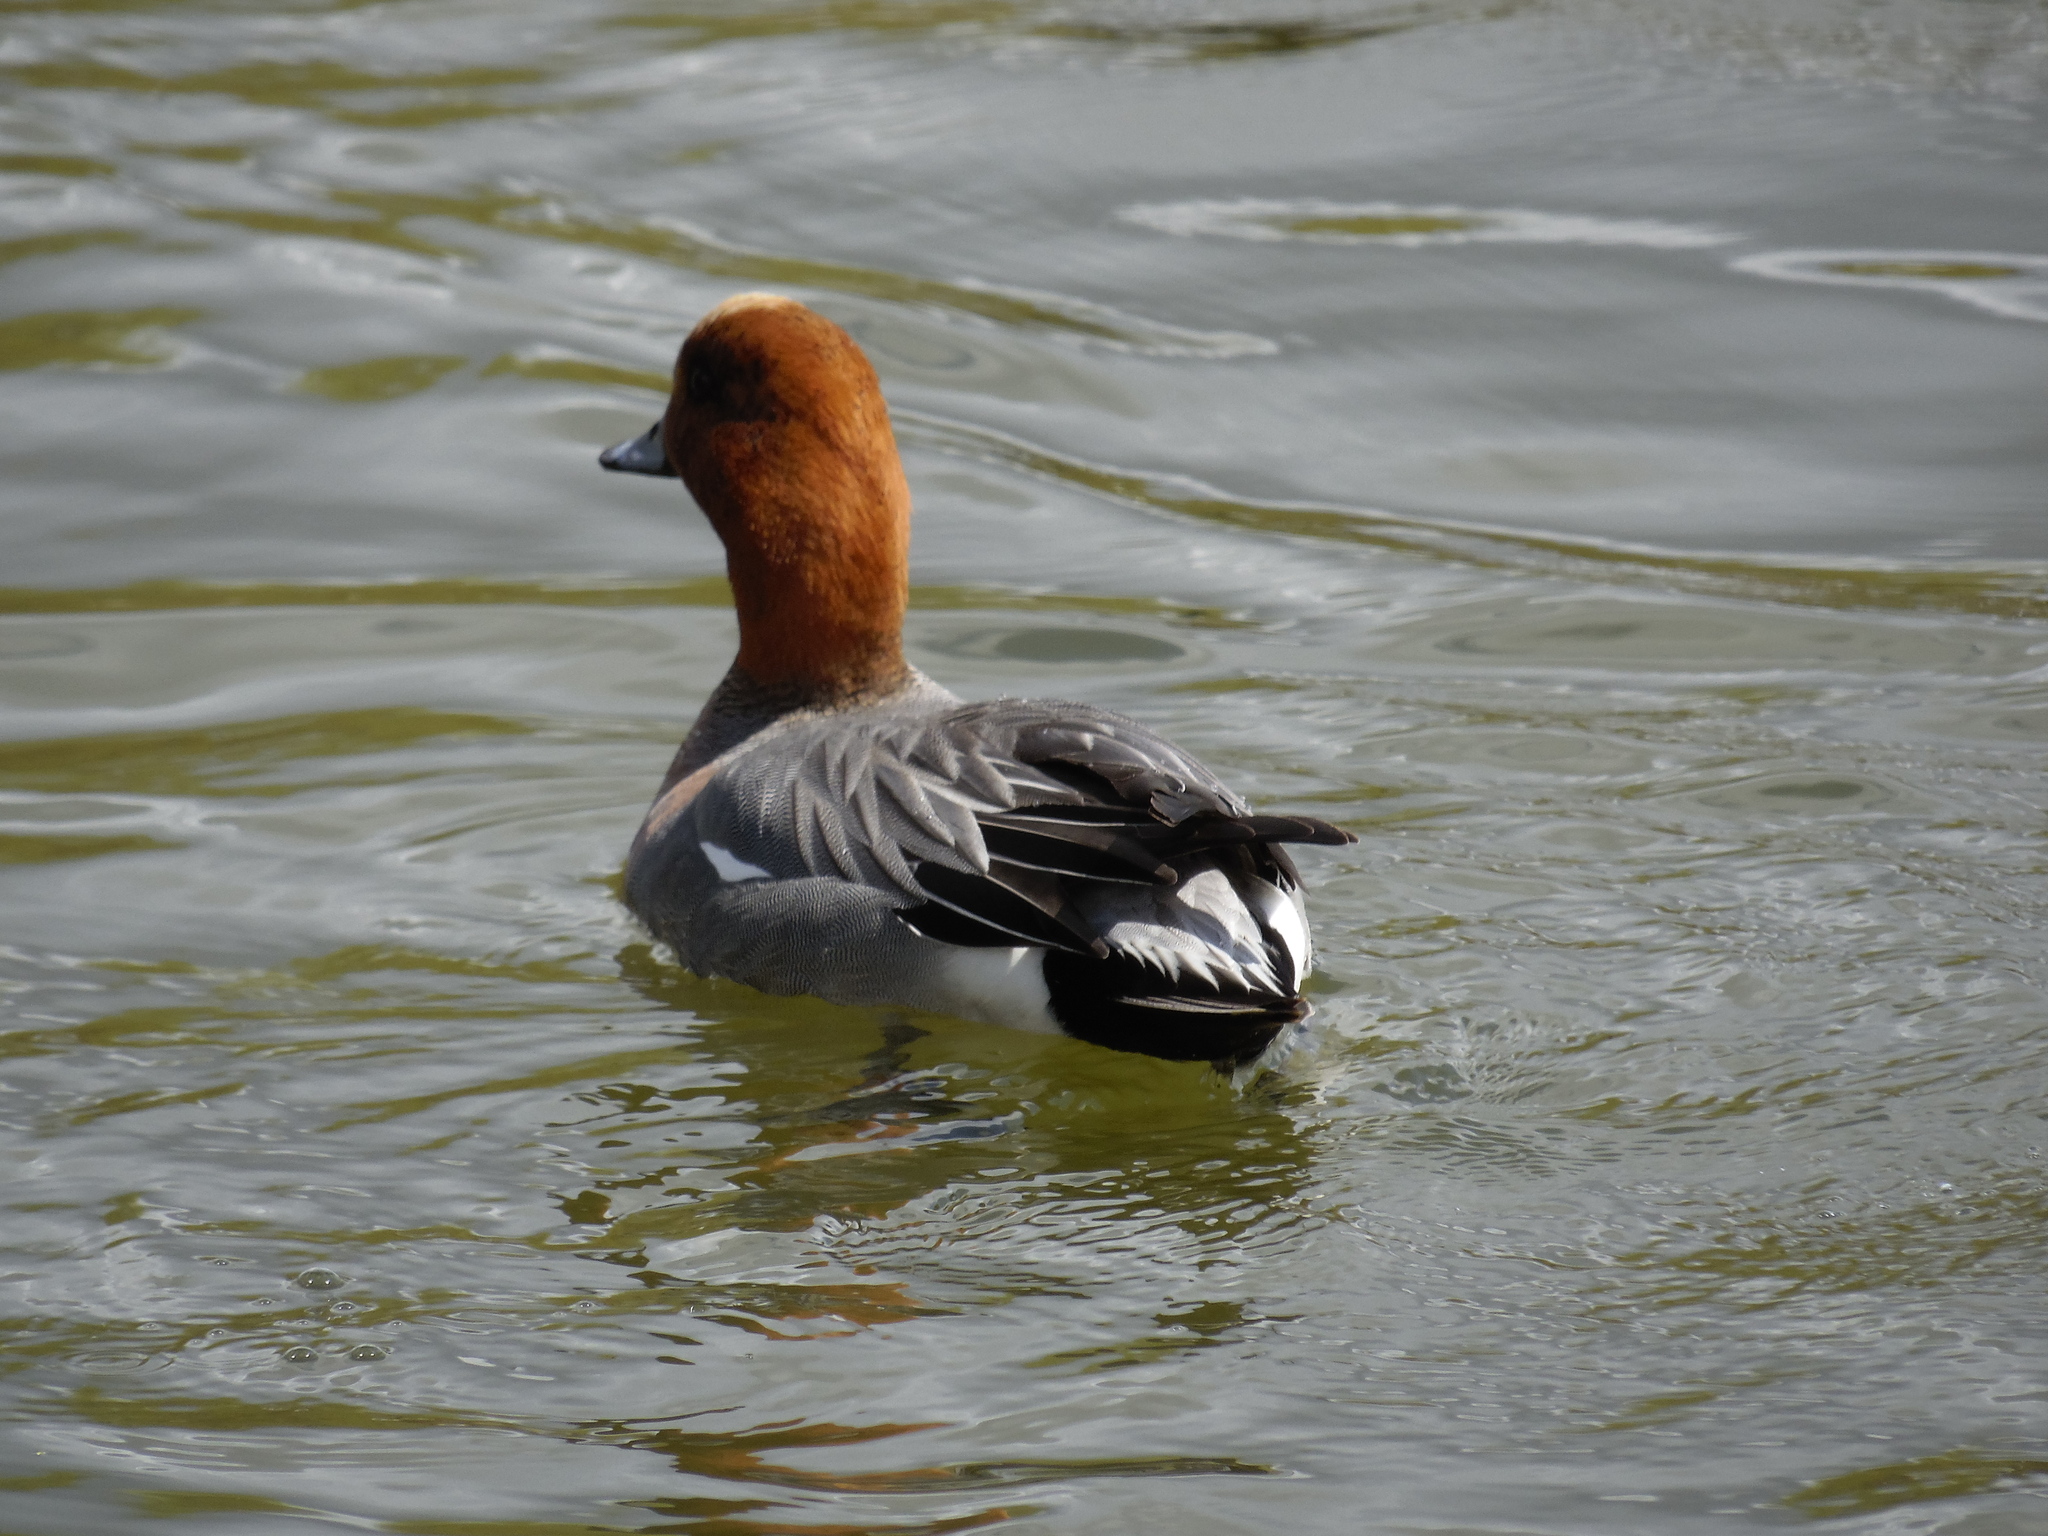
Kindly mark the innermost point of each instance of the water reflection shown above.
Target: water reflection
(131, 337)
(1955, 1474)
(741, 1457)
(1322, 221)
(2009, 590)
(303, 85)
(2014, 287)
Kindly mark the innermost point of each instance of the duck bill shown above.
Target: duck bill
(642, 455)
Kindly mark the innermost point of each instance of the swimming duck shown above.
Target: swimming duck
(836, 823)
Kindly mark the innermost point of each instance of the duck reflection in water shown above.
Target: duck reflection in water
(1006, 1169)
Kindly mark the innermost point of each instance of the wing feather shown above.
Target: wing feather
(1080, 849)
(1166, 910)
(1017, 822)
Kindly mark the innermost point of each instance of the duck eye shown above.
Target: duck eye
(698, 385)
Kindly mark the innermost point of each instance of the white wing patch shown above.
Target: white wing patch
(731, 869)
(1201, 928)
(1282, 912)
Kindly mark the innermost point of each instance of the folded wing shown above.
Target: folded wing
(1169, 913)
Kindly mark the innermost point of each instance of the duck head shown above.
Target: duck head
(776, 424)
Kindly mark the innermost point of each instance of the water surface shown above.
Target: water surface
(1593, 450)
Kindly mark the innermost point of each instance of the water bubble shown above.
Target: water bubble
(118, 1360)
(319, 1280)
(366, 1352)
(299, 1354)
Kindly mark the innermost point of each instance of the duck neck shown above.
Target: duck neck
(815, 518)
(821, 608)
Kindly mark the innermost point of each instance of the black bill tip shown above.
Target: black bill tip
(642, 455)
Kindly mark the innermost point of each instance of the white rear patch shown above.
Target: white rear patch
(998, 986)
(731, 869)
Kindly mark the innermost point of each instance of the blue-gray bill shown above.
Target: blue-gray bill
(642, 455)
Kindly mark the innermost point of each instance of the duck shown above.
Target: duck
(836, 823)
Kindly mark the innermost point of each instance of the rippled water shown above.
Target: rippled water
(1594, 450)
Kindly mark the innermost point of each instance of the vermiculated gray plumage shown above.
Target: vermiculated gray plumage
(854, 853)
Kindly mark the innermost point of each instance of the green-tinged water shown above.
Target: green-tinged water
(1592, 449)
